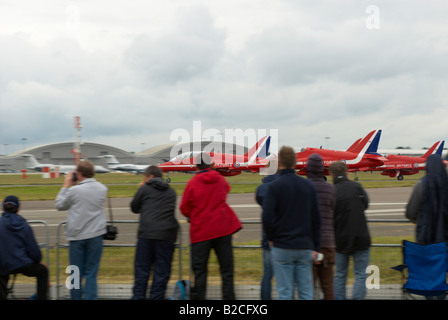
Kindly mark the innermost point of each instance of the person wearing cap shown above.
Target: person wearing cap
(84, 199)
(326, 196)
(19, 251)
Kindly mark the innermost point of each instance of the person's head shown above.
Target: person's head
(203, 161)
(153, 171)
(338, 169)
(314, 166)
(86, 169)
(435, 166)
(11, 204)
(286, 158)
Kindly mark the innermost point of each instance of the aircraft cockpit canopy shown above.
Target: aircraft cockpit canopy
(185, 155)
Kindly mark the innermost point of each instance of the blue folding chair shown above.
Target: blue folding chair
(427, 266)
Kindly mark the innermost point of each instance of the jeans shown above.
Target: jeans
(200, 252)
(151, 252)
(268, 273)
(293, 267)
(361, 262)
(86, 255)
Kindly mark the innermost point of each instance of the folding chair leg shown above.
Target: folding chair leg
(10, 290)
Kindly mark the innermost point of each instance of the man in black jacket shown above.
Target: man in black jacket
(351, 232)
(155, 200)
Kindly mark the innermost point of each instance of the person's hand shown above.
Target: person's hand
(317, 257)
(68, 181)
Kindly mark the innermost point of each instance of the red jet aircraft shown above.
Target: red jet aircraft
(361, 155)
(225, 164)
(398, 166)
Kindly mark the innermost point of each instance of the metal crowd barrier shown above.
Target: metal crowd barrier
(182, 247)
(46, 244)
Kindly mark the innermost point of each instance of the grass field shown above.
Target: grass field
(120, 185)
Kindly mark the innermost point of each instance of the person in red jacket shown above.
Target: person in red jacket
(212, 224)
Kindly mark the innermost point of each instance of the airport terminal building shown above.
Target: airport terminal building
(61, 154)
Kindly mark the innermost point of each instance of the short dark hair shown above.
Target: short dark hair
(338, 169)
(86, 168)
(153, 170)
(287, 157)
(203, 161)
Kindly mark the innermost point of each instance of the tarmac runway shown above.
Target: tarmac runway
(387, 204)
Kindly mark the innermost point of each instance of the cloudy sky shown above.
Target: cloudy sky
(137, 70)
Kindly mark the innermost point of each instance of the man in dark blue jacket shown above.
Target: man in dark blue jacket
(19, 252)
(292, 222)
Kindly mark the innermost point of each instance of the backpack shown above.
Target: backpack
(181, 290)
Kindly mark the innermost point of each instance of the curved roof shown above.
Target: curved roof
(70, 145)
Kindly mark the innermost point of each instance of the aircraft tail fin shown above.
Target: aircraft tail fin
(353, 146)
(366, 142)
(30, 161)
(110, 159)
(373, 148)
(260, 149)
(436, 148)
(440, 148)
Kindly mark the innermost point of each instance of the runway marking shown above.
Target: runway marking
(388, 204)
(384, 210)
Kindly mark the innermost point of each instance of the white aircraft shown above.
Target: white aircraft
(113, 164)
(32, 164)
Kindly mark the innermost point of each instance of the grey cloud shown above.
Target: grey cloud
(182, 56)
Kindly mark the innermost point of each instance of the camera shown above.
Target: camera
(74, 177)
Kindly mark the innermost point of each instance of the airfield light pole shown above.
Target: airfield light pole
(77, 145)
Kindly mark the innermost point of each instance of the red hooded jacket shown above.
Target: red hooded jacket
(204, 203)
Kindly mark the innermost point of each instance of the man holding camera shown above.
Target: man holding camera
(84, 198)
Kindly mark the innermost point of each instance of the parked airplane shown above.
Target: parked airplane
(360, 156)
(225, 164)
(399, 166)
(113, 164)
(32, 164)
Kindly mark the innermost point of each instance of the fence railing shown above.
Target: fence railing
(118, 258)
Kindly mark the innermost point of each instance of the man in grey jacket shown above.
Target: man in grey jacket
(155, 201)
(84, 199)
